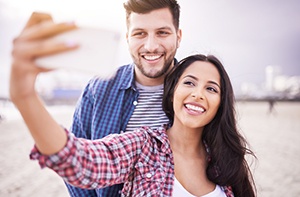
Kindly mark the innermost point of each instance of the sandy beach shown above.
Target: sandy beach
(274, 137)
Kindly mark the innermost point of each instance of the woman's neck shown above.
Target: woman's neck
(186, 140)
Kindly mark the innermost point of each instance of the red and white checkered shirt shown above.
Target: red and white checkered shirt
(142, 160)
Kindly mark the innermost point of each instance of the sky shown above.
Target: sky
(247, 36)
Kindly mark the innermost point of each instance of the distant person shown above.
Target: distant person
(271, 105)
(1, 118)
(200, 153)
(131, 98)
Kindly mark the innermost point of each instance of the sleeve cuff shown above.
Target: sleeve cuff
(56, 159)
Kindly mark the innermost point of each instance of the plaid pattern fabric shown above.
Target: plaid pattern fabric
(105, 107)
(142, 160)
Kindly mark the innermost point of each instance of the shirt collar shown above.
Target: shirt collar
(161, 135)
(127, 77)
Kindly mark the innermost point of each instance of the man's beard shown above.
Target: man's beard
(159, 73)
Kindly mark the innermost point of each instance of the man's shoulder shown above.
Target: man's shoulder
(123, 75)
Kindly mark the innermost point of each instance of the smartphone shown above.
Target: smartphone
(96, 53)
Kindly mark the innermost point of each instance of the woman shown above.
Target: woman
(200, 154)
(225, 146)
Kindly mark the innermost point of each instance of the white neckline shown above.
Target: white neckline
(216, 192)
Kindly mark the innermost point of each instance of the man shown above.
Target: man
(132, 97)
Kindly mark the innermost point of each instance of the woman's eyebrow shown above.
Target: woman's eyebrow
(195, 78)
(215, 83)
(191, 76)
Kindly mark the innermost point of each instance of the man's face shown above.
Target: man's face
(153, 41)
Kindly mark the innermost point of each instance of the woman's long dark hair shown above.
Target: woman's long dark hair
(227, 165)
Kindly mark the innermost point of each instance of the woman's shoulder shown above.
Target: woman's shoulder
(144, 133)
(158, 136)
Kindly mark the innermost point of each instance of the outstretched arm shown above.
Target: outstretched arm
(33, 42)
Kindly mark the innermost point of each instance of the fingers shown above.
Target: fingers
(33, 49)
(41, 25)
(46, 29)
(36, 40)
(38, 17)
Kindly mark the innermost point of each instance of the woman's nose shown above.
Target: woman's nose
(198, 95)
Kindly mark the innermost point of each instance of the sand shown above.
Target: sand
(274, 137)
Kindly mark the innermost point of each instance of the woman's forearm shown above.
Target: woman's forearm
(48, 135)
(33, 42)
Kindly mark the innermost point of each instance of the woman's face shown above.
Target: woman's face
(197, 95)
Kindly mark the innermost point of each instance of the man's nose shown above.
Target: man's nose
(151, 43)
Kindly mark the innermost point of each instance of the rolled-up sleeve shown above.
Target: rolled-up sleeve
(94, 164)
(56, 159)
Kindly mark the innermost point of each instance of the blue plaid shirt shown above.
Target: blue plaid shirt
(105, 107)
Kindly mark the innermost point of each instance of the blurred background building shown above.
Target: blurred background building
(276, 86)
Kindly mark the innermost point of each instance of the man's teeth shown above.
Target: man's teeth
(195, 108)
(151, 57)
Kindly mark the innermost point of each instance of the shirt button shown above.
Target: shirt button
(121, 131)
(135, 102)
(148, 175)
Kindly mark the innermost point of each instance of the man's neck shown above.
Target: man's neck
(151, 82)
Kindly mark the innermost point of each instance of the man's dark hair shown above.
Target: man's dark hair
(146, 6)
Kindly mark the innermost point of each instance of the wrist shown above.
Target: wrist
(22, 100)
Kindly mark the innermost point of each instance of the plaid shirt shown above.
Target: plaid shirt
(142, 160)
(105, 107)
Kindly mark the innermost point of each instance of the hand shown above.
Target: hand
(34, 41)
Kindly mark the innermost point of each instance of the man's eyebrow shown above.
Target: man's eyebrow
(165, 27)
(137, 29)
(160, 28)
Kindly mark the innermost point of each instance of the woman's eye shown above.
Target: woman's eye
(188, 83)
(212, 89)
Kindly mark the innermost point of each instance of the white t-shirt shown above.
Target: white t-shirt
(180, 191)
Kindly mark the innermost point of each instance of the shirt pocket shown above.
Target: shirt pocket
(149, 180)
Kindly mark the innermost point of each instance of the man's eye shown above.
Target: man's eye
(139, 34)
(164, 33)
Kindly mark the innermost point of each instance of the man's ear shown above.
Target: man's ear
(179, 36)
(127, 37)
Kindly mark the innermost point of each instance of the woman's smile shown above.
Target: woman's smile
(194, 108)
(197, 96)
